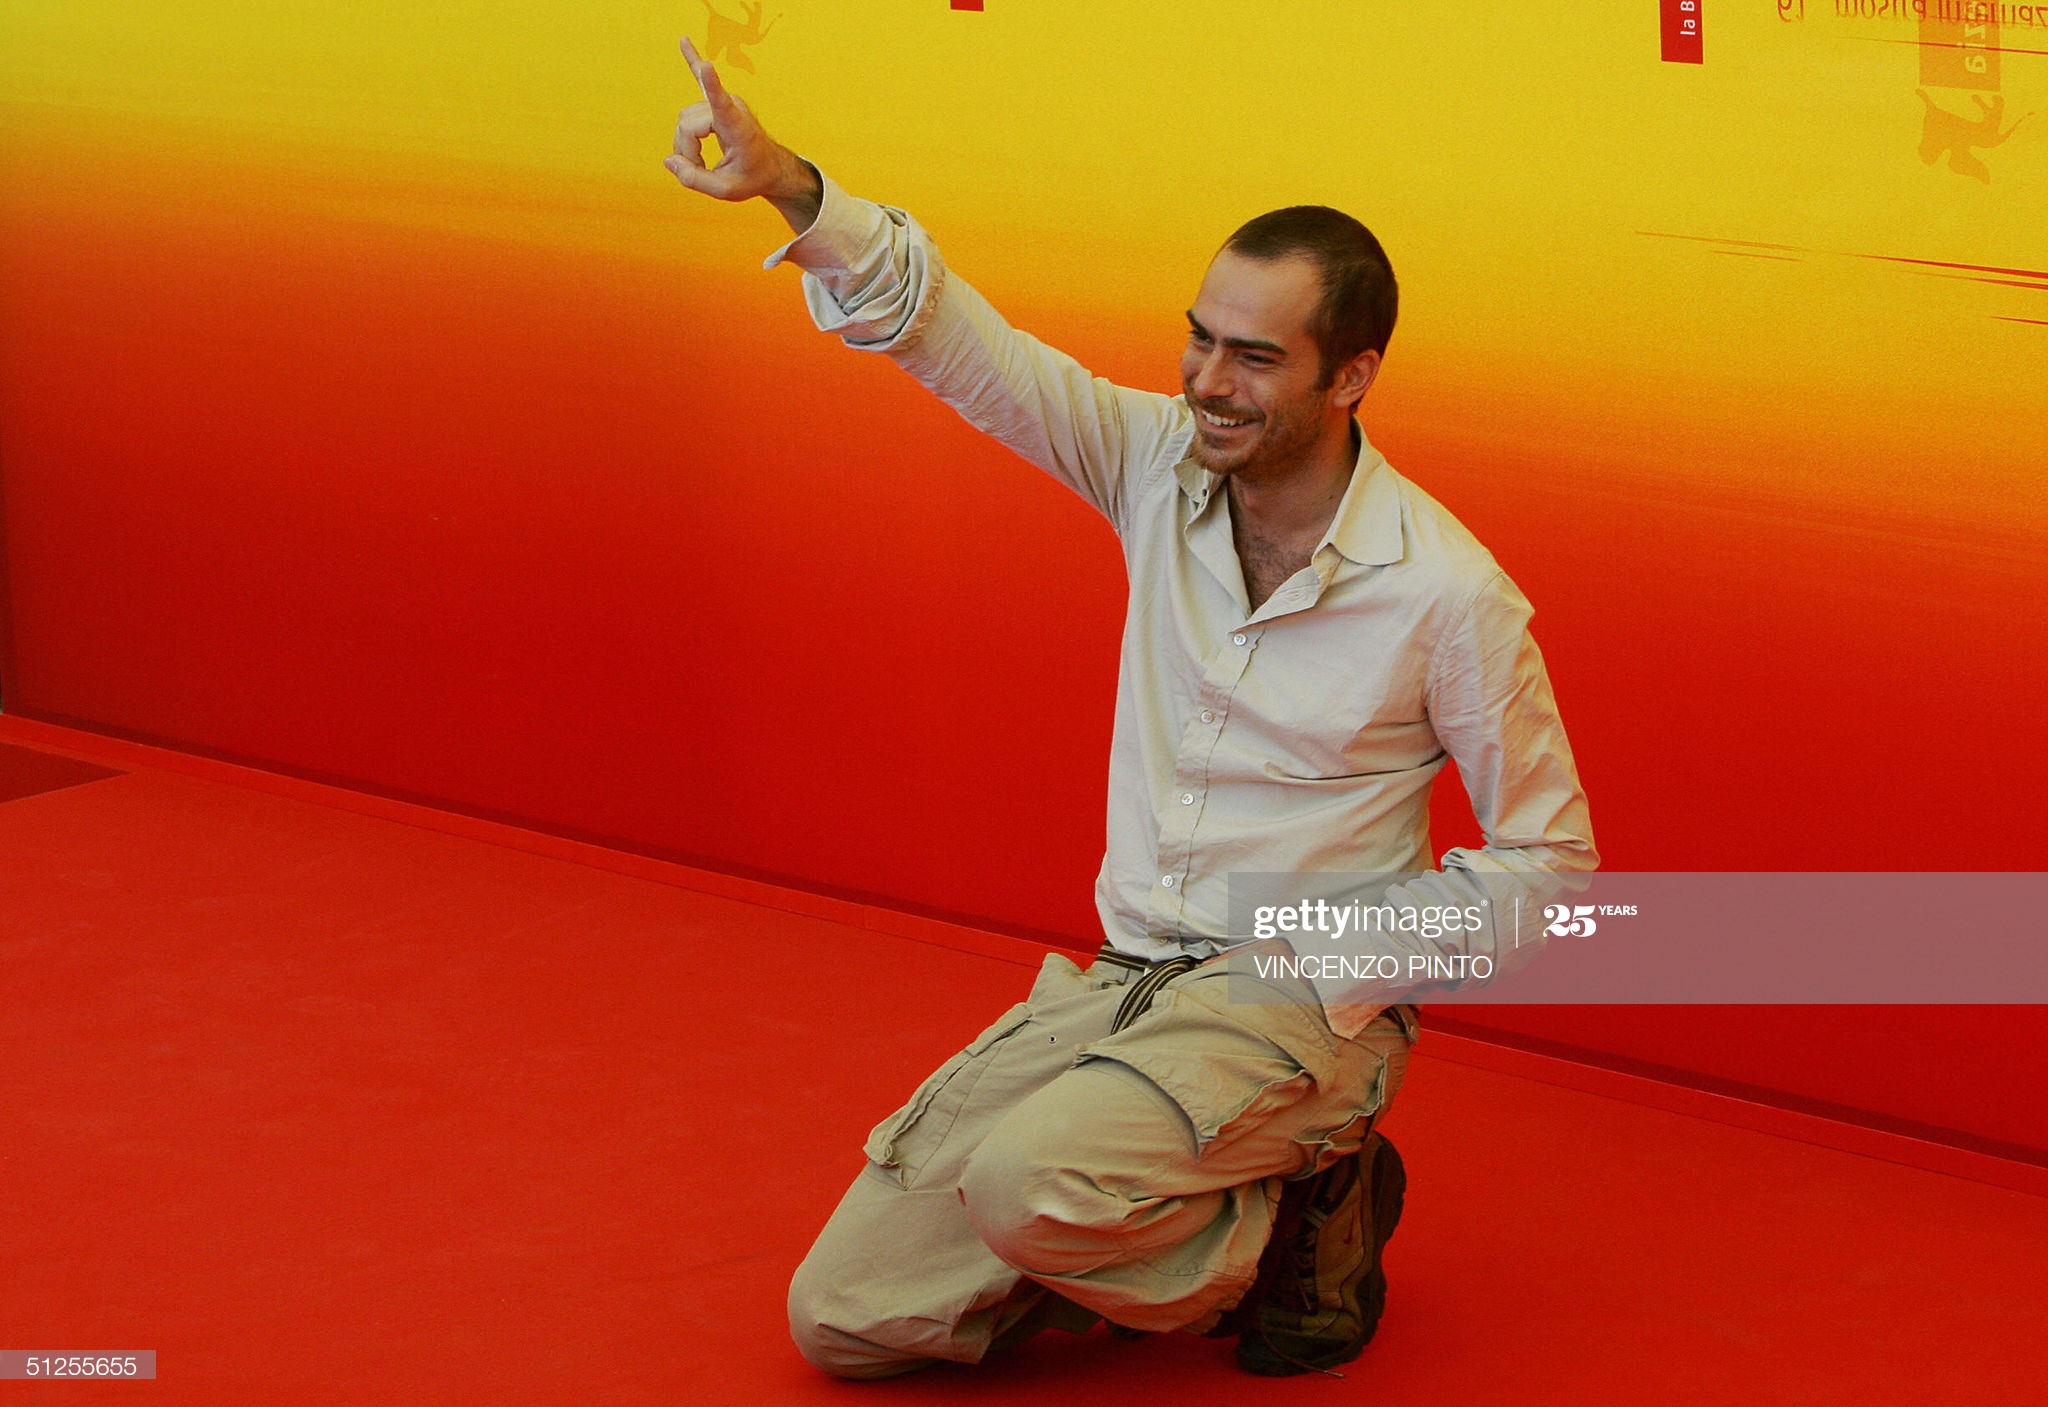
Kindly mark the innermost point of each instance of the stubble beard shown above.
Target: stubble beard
(1283, 440)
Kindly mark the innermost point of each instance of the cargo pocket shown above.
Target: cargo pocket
(1230, 1066)
(1217, 1069)
(1322, 1147)
(901, 1143)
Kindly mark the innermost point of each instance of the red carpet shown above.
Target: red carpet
(26, 771)
(327, 1108)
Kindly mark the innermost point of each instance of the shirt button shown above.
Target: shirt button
(1187, 798)
(1168, 881)
(1207, 716)
(1237, 639)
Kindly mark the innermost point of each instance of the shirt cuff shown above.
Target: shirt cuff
(843, 233)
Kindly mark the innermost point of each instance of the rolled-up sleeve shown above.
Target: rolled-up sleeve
(873, 276)
(871, 273)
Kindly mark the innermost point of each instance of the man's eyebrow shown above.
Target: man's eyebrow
(1247, 344)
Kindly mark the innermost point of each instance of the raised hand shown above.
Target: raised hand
(751, 163)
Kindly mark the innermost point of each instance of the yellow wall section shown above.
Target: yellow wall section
(1520, 161)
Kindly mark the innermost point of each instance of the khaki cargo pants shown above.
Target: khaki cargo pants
(1134, 1173)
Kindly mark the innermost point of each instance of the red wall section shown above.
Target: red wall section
(500, 528)
(626, 550)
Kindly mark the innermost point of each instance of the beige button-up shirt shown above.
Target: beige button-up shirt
(1301, 737)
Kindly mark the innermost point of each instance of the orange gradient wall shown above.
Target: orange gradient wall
(373, 406)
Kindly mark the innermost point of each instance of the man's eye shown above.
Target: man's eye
(1258, 361)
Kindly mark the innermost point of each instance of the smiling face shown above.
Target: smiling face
(1252, 370)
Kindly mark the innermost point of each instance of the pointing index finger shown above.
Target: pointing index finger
(707, 79)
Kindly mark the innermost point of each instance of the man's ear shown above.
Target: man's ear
(1354, 379)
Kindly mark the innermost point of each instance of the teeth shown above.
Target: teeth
(1219, 420)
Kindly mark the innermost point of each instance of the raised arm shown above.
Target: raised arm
(872, 275)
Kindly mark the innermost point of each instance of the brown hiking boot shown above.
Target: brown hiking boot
(1320, 1289)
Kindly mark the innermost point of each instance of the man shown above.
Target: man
(1309, 636)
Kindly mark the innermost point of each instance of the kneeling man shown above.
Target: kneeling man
(1309, 638)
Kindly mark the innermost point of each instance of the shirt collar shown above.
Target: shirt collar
(1366, 528)
(1367, 525)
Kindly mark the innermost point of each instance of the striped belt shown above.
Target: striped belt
(1143, 978)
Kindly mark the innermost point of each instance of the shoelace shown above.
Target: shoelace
(1301, 1285)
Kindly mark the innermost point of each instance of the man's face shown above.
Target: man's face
(1251, 359)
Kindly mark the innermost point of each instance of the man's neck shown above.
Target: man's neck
(1298, 500)
(1276, 521)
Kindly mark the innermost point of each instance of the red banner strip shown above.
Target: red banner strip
(1680, 25)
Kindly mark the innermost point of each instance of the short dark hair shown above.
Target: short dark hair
(1360, 297)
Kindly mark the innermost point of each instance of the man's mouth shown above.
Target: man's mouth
(1223, 422)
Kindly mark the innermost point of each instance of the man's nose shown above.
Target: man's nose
(1210, 380)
